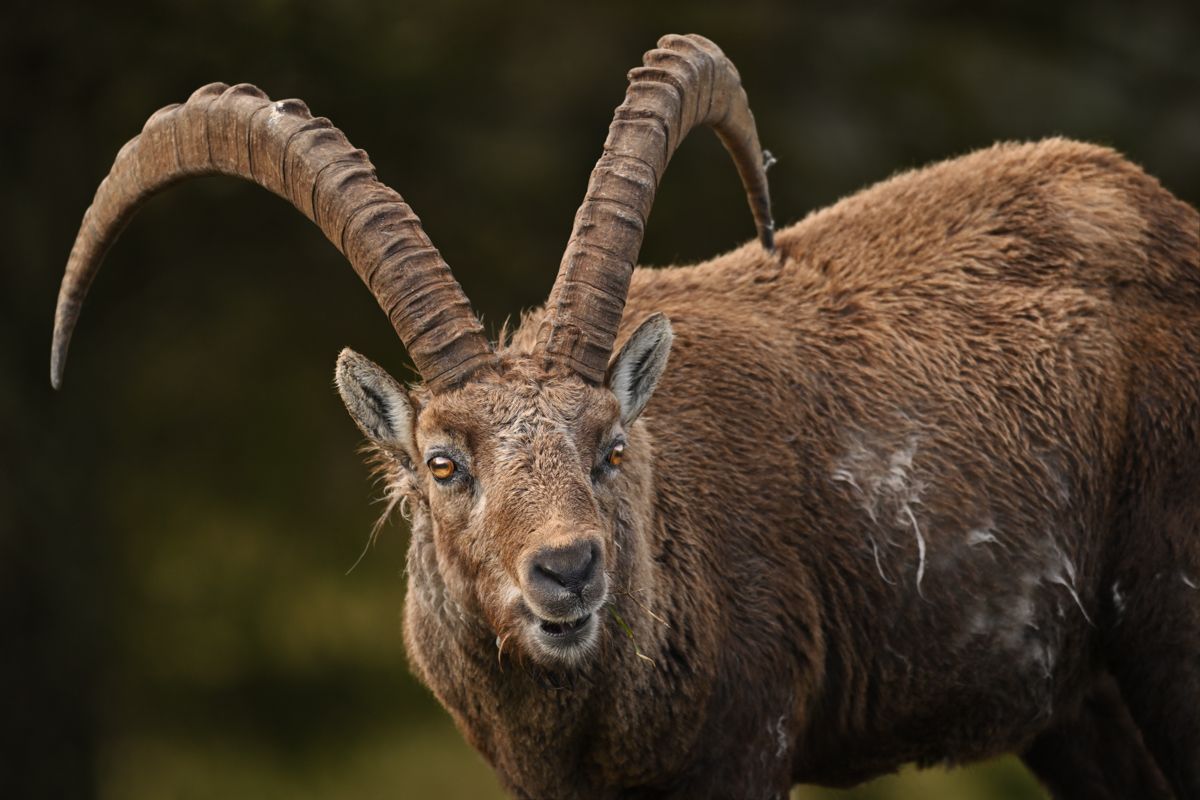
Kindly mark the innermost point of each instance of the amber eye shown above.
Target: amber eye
(442, 468)
(616, 455)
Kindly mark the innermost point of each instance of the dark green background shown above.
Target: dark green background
(176, 526)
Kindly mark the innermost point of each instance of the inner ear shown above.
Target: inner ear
(635, 371)
(378, 404)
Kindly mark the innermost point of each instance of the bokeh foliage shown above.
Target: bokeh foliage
(176, 526)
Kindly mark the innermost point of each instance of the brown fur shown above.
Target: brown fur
(908, 490)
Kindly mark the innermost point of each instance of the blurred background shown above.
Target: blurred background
(176, 526)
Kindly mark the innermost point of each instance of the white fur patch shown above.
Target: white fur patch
(1061, 571)
(1021, 624)
(510, 595)
(1042, 654)
(777, 730)
(888, 493)
(984, 534)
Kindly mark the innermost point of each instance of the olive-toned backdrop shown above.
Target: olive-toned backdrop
(176, 526)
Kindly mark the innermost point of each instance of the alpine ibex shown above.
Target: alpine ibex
(920, 482)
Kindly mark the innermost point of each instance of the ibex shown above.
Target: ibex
(920, 481)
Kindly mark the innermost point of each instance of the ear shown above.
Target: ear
(377, 403)
(634, 373)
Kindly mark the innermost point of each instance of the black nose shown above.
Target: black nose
(570, 567)
(558, 577)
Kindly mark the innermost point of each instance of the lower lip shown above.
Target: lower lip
(563, 634)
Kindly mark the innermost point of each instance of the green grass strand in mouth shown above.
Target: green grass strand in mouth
(629, 632)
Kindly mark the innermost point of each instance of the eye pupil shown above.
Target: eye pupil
(442, 467)
(616, 455)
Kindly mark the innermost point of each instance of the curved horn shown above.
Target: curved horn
(239, 131)
(685, 82)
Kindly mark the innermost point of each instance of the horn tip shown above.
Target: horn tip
(65, 316)
(57, 368)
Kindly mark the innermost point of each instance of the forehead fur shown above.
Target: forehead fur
(518, 397)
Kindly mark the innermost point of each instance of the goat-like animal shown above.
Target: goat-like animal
(920, 482)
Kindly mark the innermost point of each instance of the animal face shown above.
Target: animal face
(528, 485)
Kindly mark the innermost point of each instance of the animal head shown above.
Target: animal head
(527, 484)
(524, 468)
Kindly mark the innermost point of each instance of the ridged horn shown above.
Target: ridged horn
(239, 131)
(686, 81)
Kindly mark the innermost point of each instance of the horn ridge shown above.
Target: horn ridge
(240, 132)
(686, 81)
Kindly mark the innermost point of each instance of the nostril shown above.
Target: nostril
(589, 566)
(546, 572)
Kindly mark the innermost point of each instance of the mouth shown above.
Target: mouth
(561, 630)
(565, 638)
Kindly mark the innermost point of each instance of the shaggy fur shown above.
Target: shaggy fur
(920, 487)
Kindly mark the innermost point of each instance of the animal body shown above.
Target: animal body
(913, 480)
